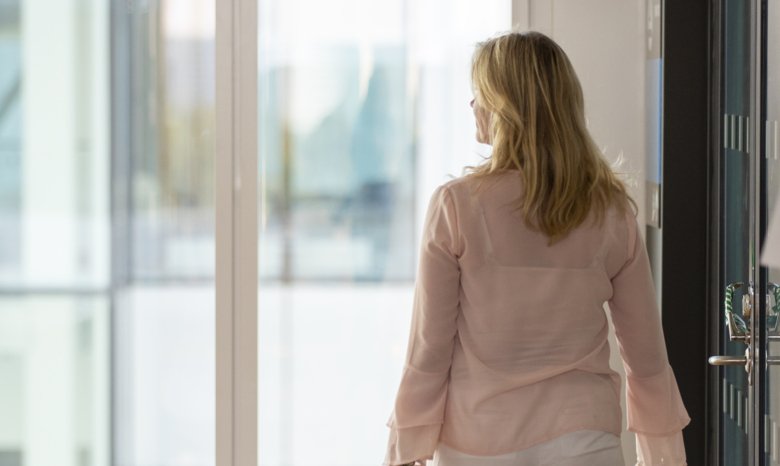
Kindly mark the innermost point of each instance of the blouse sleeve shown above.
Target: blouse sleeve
(656, 413)
(416, 421)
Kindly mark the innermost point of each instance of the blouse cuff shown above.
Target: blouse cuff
(412, 444)
(664, 450)
(654, 404)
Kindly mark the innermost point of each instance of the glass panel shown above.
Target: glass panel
(164, 375)
(54, 368)
(54, 241)
(53, 145)
(172, 129)
(358, 124)
(106, 232)
(163, 236)
(736, 216)
(10, 137)
(771, 186)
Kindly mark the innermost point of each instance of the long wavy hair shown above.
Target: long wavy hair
(537, 126)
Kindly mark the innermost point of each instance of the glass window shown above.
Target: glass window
(54, 295)
(163, 231)
(363, 111)
(171, 90)
(10, 136)
(107, 226)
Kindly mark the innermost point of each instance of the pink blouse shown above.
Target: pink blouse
(508, 345)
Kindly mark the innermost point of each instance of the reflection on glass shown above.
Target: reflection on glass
(358, 124)
(172, 131)
(338, 171)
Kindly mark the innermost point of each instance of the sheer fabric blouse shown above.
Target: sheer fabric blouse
(508, 344)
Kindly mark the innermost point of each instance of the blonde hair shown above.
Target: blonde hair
(537, 126)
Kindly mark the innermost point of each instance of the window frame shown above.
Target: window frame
(236, 232)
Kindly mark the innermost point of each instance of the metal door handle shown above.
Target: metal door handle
(727, 360)
(746, 361)
(739, 361)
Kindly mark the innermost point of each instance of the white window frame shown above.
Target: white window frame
(236, 232)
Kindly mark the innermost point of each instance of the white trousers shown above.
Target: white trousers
(581, 448)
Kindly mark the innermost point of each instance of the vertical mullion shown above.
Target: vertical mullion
(236, 235)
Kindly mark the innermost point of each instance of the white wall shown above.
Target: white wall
(605, 40)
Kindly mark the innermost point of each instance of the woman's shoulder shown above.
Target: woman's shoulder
(456, 183)
(452, 191)
(472, 185)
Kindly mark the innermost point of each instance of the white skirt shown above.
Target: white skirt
(581, 448)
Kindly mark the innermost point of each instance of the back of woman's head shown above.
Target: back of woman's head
(528, 87)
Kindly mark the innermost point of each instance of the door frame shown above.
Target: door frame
(692, 231)
(687, 242)
(715, 228)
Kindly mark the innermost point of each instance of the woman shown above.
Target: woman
(508, 361)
